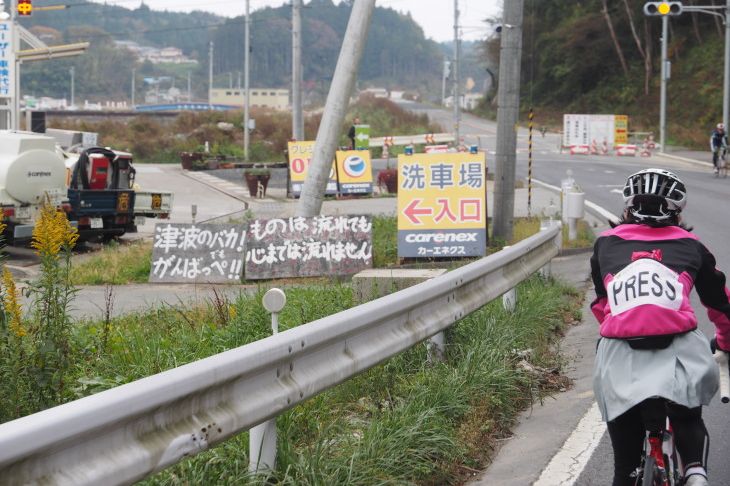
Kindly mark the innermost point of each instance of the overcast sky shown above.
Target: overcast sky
(435, 16)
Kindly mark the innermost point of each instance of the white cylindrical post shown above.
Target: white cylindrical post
(576, 211)
(566, 185)
(509, 298)
(262, 438)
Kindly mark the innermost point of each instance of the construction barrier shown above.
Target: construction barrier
(626, 150)
(436, 149)
(580, 149)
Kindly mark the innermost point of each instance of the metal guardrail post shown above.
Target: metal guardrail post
(509, 298)
(262, 438)
(436, 347)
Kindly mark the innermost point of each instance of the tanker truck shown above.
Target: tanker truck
(31, 171)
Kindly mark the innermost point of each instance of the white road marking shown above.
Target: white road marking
(609, 171)
(617, 191)
(147, 170)
(565, 466)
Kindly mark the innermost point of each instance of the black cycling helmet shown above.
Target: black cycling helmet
(654, 195)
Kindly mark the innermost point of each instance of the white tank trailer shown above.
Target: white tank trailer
(31, 171)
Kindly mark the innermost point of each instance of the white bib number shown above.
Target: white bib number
(644, 281)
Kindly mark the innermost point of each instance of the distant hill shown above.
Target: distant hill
(397, 56)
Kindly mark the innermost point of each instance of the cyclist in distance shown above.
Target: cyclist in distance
(718, 144)
(643, 270)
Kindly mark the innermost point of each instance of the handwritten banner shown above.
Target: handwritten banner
(308, 247)
(204, 253)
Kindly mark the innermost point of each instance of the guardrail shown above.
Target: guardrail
(428, 138)
(129, 432)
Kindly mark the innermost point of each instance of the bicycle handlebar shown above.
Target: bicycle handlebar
(721, 358)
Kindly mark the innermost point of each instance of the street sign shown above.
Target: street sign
(442, 205)
(7, 61)
(354, 172)
(362, 137)
(580, 129)
(300, 156)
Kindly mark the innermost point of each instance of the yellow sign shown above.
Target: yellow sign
(441, 205)
(354, 171)
(156, 201)
(300, 156)
(620, 129)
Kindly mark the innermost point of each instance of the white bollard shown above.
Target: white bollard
(509, 298)
(262, 438)
(576, 211)
(566, 185)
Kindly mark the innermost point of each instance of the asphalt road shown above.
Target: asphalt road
(602, 177)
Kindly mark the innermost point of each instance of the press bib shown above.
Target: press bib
(644, 281)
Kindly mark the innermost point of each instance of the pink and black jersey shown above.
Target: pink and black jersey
(643, 277)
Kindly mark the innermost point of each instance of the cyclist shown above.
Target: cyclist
(718, 142)
(643, 270)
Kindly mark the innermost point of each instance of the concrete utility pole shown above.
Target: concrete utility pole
(444, 77)
(663, 89)
(726, 90)
(296, 71)
(72, 71)
(455, 73)
(508, 100)
(246, 86)
(134, 73)
(353, 45)
(210, 74)
(189, 85)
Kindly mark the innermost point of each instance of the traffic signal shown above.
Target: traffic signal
(663, 8)
(25, 7)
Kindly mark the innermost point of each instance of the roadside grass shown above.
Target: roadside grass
(115, 264)
(402, 422)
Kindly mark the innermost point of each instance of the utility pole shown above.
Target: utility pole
(246, 86)
(726, 94)
(230, 80)
(353, 44)
(210, 75)
(72, 71)
(134, 73)
(238, 73)
(455, 73)
(443, 81)
(508, 100)
(189, 85)
(663, 90)
(296, 71)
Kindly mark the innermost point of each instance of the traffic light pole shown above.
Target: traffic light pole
(726, 79)
(665, 76)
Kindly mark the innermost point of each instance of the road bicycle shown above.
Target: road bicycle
(719, 158)
(660, 464)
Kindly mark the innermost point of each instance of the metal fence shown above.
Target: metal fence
(127, 433)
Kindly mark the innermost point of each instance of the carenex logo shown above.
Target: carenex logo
(442, 237)
(355, 166)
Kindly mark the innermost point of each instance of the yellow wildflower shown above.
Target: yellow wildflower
(53, 232)
(12, 306)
